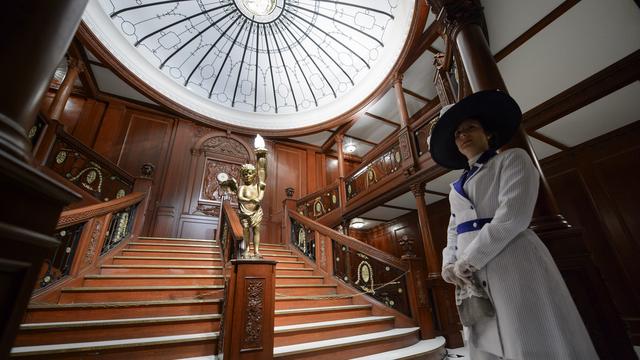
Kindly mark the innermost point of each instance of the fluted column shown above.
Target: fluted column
(74, 68)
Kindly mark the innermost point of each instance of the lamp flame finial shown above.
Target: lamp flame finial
(258, 143)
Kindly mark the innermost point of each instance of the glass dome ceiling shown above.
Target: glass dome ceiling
(244, 61)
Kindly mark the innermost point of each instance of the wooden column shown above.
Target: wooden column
(339, 145)
(36, 34)
(249, 307)
(74, 68)
(402, 104)
(431, 256)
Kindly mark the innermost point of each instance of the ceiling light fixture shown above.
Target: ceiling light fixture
(357, 223)
(350, 147)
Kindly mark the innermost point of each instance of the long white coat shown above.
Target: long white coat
(535, 315)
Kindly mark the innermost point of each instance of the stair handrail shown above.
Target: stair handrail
(349, 241)
(328, 198)
(88, 237)
(229, 231)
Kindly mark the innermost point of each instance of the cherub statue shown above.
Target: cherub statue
(250, 193)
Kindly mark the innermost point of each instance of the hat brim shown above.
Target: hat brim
(498, 113)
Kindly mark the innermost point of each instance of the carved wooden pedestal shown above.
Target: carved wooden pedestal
(247, 328)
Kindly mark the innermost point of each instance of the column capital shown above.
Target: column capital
(397, 79)
(417, 189)
(339, 139)
(457, 13)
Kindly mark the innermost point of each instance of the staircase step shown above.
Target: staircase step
(117, 310)
(301, 302)
(274, 250)
(113, 329)
(170, 240)
(351, 346)
(296, 279)
(172, 253)
(432, 349)
(290, 264)
(279, 257)
(306, 289)
(160, 269)
(151, 280)
(174, 246)
(312, 314)
(293, 271)
(133, 293)
(162, 260)
(324, 330)
(157, 348)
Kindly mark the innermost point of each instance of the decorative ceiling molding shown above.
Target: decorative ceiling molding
(216, 64)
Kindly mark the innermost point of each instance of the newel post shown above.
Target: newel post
(143, 184)
(288, 204)
(421, 308)
(247, 331)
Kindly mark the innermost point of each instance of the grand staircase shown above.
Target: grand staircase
(161, 298)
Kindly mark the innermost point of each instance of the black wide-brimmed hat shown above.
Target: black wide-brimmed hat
(498, 113)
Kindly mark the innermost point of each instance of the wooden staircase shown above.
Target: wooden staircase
(160, 299)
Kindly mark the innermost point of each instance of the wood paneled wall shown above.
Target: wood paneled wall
(386, 236)
(131, 134)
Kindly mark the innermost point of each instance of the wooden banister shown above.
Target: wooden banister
(234, 221)
(75, 216)
(350, 242)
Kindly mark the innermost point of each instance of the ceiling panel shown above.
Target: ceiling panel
(406, 200)
(431, 198)
(370, 129)
(419, 76)
(386, 107)
(441, 184)
(600, 117)
(369, 224)
(430, 19)
(383, 213)
(508, 19)
(90, 56)
(542, 149)
(413, 104)
(108, 82)
(361, 148)
(316, 139)
(583, 41)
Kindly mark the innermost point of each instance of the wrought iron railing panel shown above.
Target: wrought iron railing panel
(36, 130)
(119, 228)
(381, 281)
(381, 167)
(59, 264)
(89, 173)
(319, 204)
(303, 239)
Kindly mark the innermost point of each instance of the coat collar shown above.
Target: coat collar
(470, 172)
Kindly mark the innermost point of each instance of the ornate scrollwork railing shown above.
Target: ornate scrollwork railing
(361, 266)
(303, 239)
(87, 234)
(88, 170)
(386, 164)
(319, 203)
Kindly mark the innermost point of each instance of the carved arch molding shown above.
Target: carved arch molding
(217, 153)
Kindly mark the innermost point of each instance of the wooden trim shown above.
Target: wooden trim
(76, 216)
(374, 219)
(317, 193)
(387, 121)
(339, 131)
(435, 193)
(397, 207)
(349, 241)
(545, 139)
(416, 95)
(602, 83)
(360, 139)
(86, 76)
(234, 221)
(536, 28)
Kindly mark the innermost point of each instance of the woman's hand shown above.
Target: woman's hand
(463, 270)
(449, 276)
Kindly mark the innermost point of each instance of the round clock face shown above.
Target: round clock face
(222, 177)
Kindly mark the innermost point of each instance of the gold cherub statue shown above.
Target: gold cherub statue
(250, 193)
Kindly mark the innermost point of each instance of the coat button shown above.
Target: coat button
(471, 207)
(484, 284)
(475, 224)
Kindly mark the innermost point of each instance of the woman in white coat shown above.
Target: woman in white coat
(509, 292)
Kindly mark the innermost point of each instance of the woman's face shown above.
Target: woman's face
(471, 139)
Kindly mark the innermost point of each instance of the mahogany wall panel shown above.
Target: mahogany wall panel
(111, 134)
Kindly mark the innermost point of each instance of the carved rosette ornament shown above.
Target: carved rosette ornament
(254, 293)
(226, 146)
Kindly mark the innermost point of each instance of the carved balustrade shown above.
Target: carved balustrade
(303, 239)
(386, 164)
(319, 203)
(87, 234)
